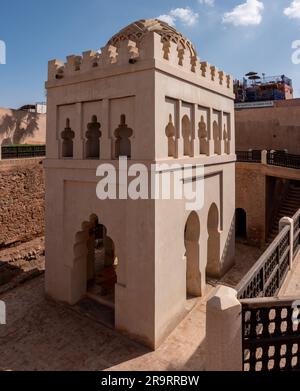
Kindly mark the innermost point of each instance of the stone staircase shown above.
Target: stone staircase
(289, 206)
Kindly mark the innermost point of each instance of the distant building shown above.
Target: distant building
(23, 126)
(256, 91)
(39, 108)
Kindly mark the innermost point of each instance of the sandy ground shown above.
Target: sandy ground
(21, 263)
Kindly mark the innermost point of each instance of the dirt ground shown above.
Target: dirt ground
(21, 263)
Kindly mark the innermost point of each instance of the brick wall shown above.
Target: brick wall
(22, 191)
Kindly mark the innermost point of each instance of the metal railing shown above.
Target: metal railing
(271, 335)
(271, 326)
(296, 219)
(274, 158)
(283, 159)
(23, 151)
(268, 274)
(250, 156)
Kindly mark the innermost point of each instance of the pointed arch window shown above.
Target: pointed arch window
(170, 133)
(123, 143)
(93, 136)
(67, 136)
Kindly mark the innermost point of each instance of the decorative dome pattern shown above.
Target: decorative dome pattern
(138, 30)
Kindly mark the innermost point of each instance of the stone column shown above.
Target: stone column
(179, 139)
(2, 313)
(211, 144)
(194, 138)
(264, 157)
(77, 128)
(107, 139)
(221, 125)
(224, 331)
(290, 222)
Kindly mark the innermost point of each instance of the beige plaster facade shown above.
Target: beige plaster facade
(147, 96)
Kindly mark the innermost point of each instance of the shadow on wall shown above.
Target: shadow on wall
(16, 128)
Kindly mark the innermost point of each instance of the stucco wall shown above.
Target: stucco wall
(178, 113)
(269, 128)
(22, 192)
(250, 196)
(22, 127)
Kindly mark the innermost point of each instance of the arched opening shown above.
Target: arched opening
(101, 265)
(226, 138)
(217, 138)
(123, 143)
(67, 136)
(93, 134)
(187, 136)
(240, 224)
(203, 137)
(191, 241)
(213, 243)
(170, 133)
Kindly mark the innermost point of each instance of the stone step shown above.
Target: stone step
(292, 202)
(288, 208)
(287, 212)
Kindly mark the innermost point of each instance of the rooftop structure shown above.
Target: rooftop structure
(254, 88)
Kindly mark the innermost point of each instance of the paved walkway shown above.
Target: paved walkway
(43, 335)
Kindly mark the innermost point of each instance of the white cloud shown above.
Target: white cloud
(211, 3)
(168, 19)
(293, 11)
(246, 14)
(184, 15)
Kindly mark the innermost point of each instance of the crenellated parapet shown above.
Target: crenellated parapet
(141, 43)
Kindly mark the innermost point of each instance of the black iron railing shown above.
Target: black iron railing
(271, 335)
(271, 326)
(23, 151)
(250, 156)
(274, 158)
(268, 274)
(282, 159)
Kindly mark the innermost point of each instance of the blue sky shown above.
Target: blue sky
(236, 35)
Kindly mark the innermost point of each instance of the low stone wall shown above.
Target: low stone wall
(22, 191)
